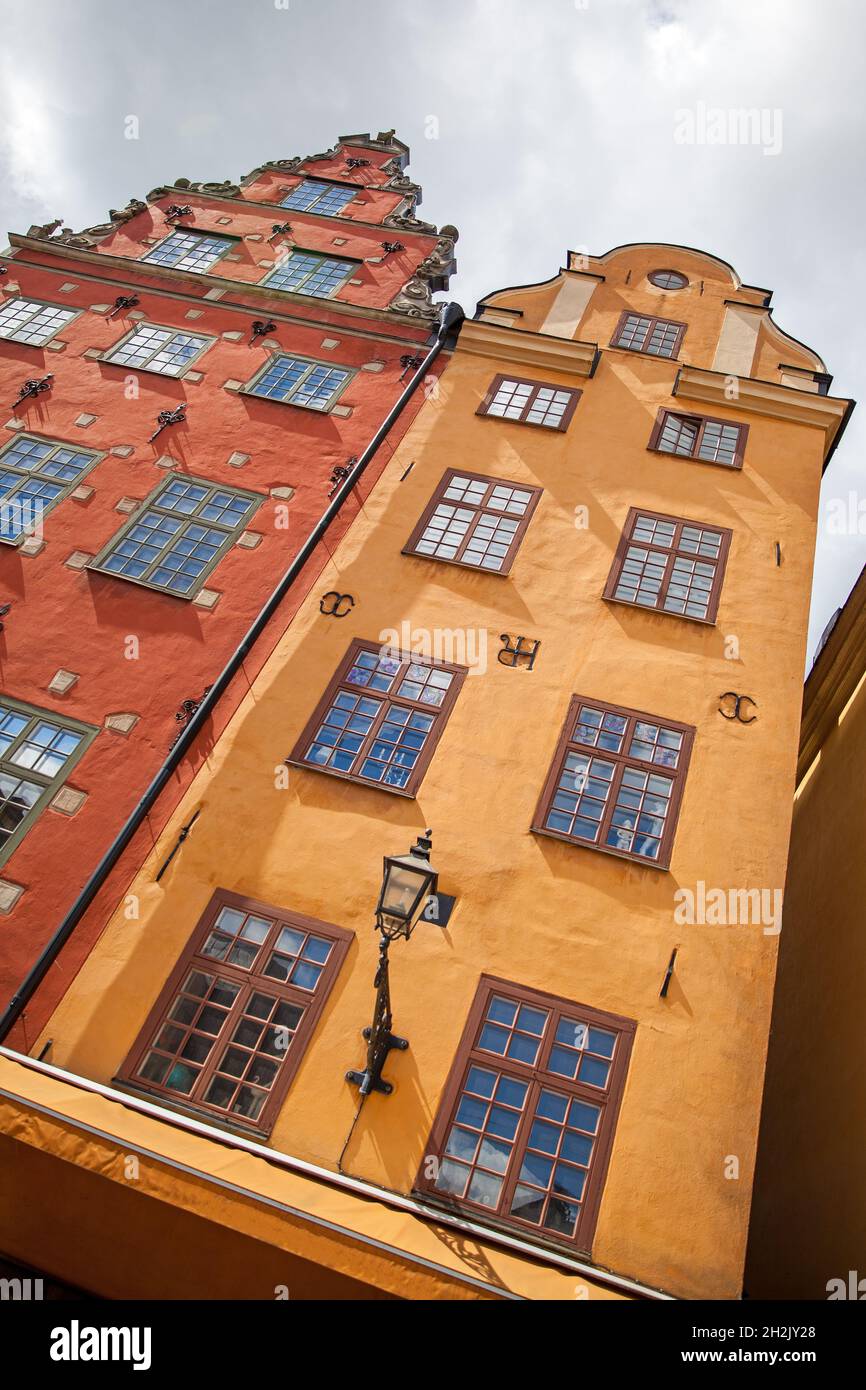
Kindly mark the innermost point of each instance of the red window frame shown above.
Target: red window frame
(311, 996)
(530, 402)
(619, 791)
(533, 1073)
(670, 554)
(653, 322)
(700, 422)
(373, 734)
(484, 513)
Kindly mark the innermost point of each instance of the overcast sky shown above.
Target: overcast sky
(535, 126)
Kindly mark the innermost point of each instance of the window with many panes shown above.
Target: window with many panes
(33, 322)
(178, 534)
(639, 333)
(700, 437)
(529, 402)
(526, 1125)
(196, 251)
(298, 381)
(229, 1030)
(35, 474)
(326, 199)
(306, 273)
(475, 521)
(380, 718)
(616, 782)
(669, 564)
(38, 750)
(152, 348)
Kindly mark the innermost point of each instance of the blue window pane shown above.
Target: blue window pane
(472, 1112)
(531, 1020)
(577, 1148)
(316, 949)
(523, 1049)
(26, 453)
(584, 1116)
(544, 1136)
(502, 1011)
(481, 1082)
(510, 1091)
(305, 975)
(324, 198)
(594, 1072)
(320, 276)
(552, 1106)
(493, 1039)
(189, 251)
(563, 1062)
(601, 1042)
(28, 321)
(157, 349)
(17, 798)
(34, 475)
(536, 1169)
(462, 1143)
(168, 546)
(503, 1123)
(569, 1181)
(299, 382)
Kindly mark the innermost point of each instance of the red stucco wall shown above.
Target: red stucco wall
(79, 620)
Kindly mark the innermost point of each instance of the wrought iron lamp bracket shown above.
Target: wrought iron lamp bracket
(379, 1038)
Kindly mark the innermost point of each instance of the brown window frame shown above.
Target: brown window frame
(490, 396)
(251, 981)
(469, 1055)
(701, 421)
(479, 508)
(670, 552)
(339, 682)
(567, 743)
(654, 320)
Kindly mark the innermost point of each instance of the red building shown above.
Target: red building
(187, 385)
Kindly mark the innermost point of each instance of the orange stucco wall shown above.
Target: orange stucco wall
(544, 914)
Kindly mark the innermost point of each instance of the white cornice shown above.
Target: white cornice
(755, 397)
(150, 270)
(519, 345)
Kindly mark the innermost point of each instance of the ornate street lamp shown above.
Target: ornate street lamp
(408, 880)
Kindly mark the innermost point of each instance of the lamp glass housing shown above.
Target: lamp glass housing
(407, 881)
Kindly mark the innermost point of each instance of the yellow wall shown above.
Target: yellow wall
(548, 915)
(809, 1216)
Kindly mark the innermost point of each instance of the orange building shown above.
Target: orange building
(572, 623)
(808, 1234)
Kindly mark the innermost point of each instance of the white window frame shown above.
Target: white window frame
(321, 257)
(312, 363)
(152, 504)
(193, 232)
(325, 186)
(66, 486)
(205, 341)
(37, 306)
(50, 785)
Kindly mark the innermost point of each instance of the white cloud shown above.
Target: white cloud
(31, 143)
(556, 129)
